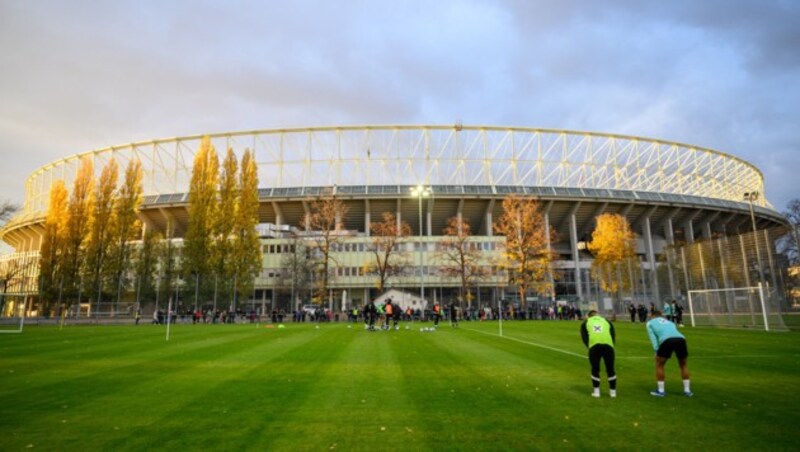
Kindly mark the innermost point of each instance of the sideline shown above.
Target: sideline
(528, 343)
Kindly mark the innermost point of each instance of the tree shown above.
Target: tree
(223, 228)
(613, 245)
(296, 270)
(79, 219)
(526, 256)
(169, 265)
(12, 273)
(51, 253)
(460, 256)
(325, 220)
(247, 247)
(388, 261)
(126, 208)
(145, 265)
(197, 245)
(100, 230)
(789, 246)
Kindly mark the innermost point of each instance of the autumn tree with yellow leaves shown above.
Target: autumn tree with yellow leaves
(526, 256)
(127, 203)
(51, 260)
(613, 246)
(388, 260)
(198, 261)
(247, 257)
(100, 234)
(79, 220)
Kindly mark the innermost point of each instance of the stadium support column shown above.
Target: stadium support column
(546, 215)
(367, 219)
(279, 219)
(651, 258)
(688, 227)
(488, 218)
(669, 235)
(573, 240)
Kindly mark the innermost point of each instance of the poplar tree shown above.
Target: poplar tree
(101, 228)
(126, 209)
(51, 253)
(197, 244)
(613, 244)
(525, 256)
(79, 218)
(388, 261)
(247, 247)
(146, 259)
(224, 223)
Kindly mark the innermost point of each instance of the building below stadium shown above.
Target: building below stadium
(671, 193)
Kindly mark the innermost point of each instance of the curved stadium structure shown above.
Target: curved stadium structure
(668, 191)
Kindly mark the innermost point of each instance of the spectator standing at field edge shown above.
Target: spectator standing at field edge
(666, 340)
(598, 335)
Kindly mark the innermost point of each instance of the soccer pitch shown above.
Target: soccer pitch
(248, 387)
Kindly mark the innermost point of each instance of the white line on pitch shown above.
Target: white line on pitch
(711, 357)
(528, 343)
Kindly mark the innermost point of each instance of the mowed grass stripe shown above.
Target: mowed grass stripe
(238, 387)
(176, 381)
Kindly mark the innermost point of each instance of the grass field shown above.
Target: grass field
(242, 387)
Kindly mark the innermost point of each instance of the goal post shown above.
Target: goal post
(15, 321)
(736, 307)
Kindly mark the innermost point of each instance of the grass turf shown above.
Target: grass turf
(239, 387)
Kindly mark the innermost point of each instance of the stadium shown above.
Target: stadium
(670, 193)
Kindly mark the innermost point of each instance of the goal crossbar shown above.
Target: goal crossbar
(717, 306)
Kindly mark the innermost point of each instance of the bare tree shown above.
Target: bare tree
(389, 261)
(325, 223)
(297, 267)
(460, 257)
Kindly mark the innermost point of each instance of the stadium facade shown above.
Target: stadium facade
(669, 192)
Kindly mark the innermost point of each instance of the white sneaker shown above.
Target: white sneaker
(613, 393)
(596, 394)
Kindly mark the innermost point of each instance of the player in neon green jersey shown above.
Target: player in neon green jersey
(598, 335)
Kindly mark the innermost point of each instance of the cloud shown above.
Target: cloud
(84, 74)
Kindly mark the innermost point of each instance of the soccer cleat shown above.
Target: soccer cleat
(596, 395)
(613, 393)
(658, 393)
(688, 393)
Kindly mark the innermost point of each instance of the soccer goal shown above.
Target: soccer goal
(13, 322)
(738, 307)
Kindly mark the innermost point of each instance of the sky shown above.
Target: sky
(77, 75)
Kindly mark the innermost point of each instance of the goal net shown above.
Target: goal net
(738, 307)
(11, 318)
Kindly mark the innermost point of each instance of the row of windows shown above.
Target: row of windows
(288, 248)
(345, 272)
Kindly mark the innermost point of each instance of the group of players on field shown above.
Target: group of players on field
(389, 312)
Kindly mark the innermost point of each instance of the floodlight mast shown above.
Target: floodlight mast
(752, 196)
(420, 191)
